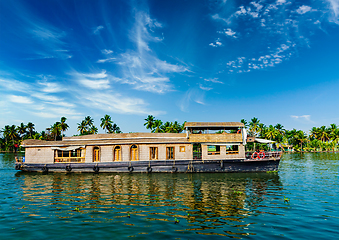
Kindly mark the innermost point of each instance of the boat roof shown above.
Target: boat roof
(213, 124)
(109, 139)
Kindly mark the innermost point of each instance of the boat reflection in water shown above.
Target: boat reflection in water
(217, 204)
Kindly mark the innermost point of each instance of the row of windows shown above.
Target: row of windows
(230, 149)
(78, 155)
(153, 153)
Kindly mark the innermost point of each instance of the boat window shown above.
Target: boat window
(182, 149)
(213, 150)
(153, 153)
(170, 153)
(117, 153)
(96, 154)
(77, 155)
(232, 149)
(134, 153)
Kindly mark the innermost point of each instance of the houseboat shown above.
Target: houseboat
(204, 147)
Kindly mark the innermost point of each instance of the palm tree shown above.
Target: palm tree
(22, 130)
(5, 132)
(93, 130)
(253, 127)
(30, 127)
(89, 121)
(332, 131)
(56, 130)
(323, 133)
(244, 122)
(12, 133)
(271, 132)
(106, 123)
(63, 125)
(149, 122)
(82, 127)
(314, 132)
(114, 129)
(166, 127)
(178, 128)
(157, 126)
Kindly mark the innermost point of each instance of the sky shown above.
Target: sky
(194, 60)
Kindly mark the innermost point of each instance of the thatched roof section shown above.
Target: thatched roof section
(213, 124)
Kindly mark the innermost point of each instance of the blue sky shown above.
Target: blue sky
(177, 60)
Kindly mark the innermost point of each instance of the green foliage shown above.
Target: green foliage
(157, 126)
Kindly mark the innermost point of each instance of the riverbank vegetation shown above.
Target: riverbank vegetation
(323, 138)
(317, 140)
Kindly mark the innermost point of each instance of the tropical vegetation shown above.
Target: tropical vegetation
(323, 138)
(157, 126)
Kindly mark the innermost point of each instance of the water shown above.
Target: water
(146, 206)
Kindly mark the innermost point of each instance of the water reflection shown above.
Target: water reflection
(204, 203)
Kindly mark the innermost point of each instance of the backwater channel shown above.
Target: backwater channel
(300, 201)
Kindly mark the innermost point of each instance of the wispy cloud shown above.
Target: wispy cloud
(107, 51)
(20, 99)
(106, 60)
(97, 29)
(306, 118)
(205, 88)
(304, 9)
(141, 67)
(14, 85)
(49, 86)
(114, 102)
(213, 80)
(191, 95)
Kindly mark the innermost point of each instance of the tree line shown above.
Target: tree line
(319, 139)
(13, 135)
(157, 126)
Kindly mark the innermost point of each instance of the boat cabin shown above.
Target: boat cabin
(202, 140)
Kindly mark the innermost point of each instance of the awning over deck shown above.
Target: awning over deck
(71, 148)
(259, 140)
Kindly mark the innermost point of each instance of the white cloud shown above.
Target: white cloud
(106, 60)
(303, 117)
(141, 68)
(20, 99)
(97, 29)
(95, 84)
(52, 100)
(51, 87)
(334, 10)
(217, 43)
(191, 95)
(214, 80)
(303, 9)
(107, 51)
(229, 32)
(14, 85)
(205, 88)
(117, 103)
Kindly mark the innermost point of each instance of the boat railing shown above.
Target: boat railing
(197, 155)
(69, 159)
(263, 155)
